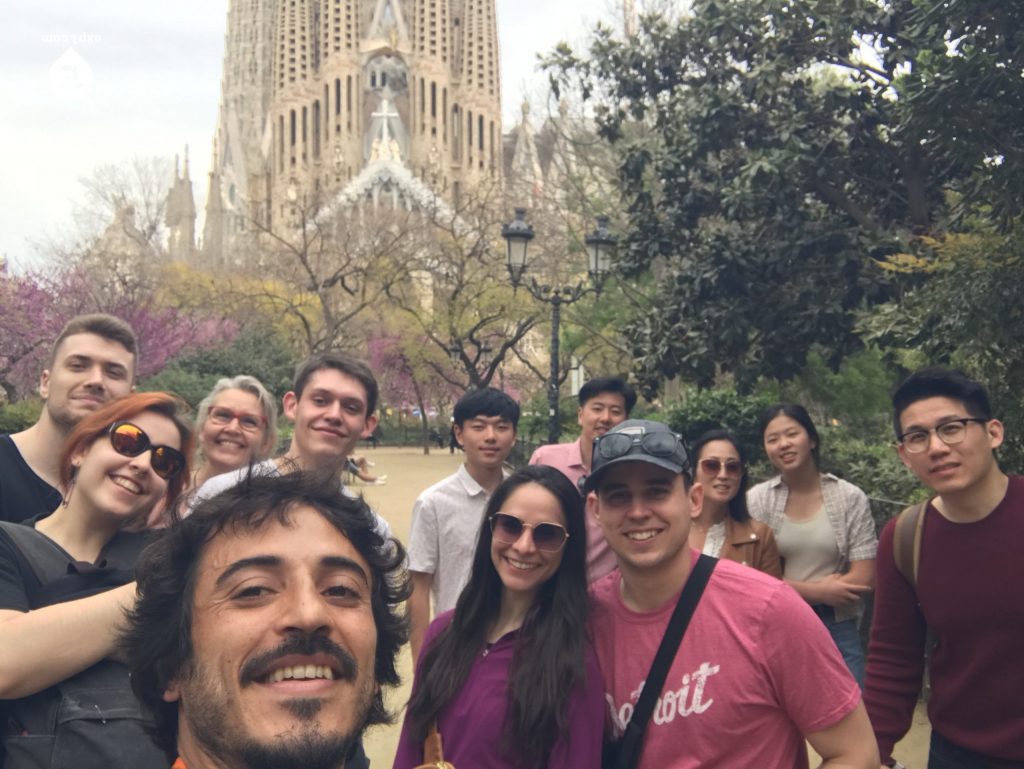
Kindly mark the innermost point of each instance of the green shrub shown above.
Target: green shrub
(19, 415)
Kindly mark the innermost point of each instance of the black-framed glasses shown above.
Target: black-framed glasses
(131, 440)
(222, 416)
(657, 444)
(507, 529)
(950, 433)
(714, 465)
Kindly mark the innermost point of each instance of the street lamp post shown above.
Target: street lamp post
(600, 244)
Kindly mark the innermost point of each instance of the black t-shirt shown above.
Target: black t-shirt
(21, 590)
(23, 494)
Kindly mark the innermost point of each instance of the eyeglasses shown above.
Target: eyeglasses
(950, 433)
(659, 444)
(507, 528)
(222, 417)
(130, 441)
(713, 466)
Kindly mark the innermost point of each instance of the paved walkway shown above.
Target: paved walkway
(409, 471)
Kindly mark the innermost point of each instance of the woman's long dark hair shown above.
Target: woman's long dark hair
(738, 504)
(549, 657)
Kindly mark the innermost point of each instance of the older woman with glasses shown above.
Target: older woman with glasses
(723, 527)
(66, 579)
(509, 678)
(235, 424)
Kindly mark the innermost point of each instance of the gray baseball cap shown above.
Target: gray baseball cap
(637, 440)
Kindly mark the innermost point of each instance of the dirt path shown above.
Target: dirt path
(410, 472)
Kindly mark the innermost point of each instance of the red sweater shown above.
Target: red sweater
(971, 592)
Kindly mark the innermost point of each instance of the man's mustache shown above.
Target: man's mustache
(259, 667)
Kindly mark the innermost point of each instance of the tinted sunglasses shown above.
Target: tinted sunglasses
(130, 441)
(713, 466)
(659, 444)
(507, 529)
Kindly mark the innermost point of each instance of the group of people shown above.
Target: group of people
(248, 612)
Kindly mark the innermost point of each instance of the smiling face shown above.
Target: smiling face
(330, 417)
(112, 484)
(284, 645)
(950, 469)
(722, 485)
(644, 511)
(486, 440)
(787, 444)
(229, 446)
(521, 566)
(88, 370)
(600, 414)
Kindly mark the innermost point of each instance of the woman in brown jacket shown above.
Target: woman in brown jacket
(723, 527)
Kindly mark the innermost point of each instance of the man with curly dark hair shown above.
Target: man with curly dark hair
(267, 625)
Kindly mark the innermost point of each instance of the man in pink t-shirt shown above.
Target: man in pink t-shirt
(756, 673)
(604, 402)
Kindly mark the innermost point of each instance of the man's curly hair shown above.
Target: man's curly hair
(158, 639)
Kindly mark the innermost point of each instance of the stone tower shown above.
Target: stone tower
(316, 92)
(180, 215)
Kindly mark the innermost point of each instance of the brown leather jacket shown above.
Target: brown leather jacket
(752, 544)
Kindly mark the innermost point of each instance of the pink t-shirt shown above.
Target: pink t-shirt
(756, 671)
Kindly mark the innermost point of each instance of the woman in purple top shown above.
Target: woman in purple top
(510, 676)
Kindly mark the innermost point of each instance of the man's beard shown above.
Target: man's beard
(208, 713)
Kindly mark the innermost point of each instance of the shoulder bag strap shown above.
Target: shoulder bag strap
(48, 561)
(906, 542)
(632, 739)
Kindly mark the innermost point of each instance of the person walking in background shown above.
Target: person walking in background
(604, 403)
(93, 361)
(723, 527)
(236, 424)
(66, 580)
(509, 678)
(963, 588)
(446, 517)
(823, 527)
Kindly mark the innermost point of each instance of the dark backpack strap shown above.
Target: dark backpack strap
(632, 739)
(47, 560)
(906, 542)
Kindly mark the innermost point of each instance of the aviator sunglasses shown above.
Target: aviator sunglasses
(659, 444)
(713, 466)
(129, 440)
(507, 529)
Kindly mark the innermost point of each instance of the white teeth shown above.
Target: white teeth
(302, 672)
(641, 536)
(522, 564)
(127, 484)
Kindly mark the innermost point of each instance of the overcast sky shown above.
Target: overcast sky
(83, 84)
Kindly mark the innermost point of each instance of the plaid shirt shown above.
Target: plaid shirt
(848, 512)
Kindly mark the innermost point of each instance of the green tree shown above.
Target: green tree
(766, 150)
(966, 313)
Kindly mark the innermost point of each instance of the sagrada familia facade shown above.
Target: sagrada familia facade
(353, 102)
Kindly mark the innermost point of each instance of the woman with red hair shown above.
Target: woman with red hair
(66, 579)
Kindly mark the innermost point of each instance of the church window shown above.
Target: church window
(316, 130)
